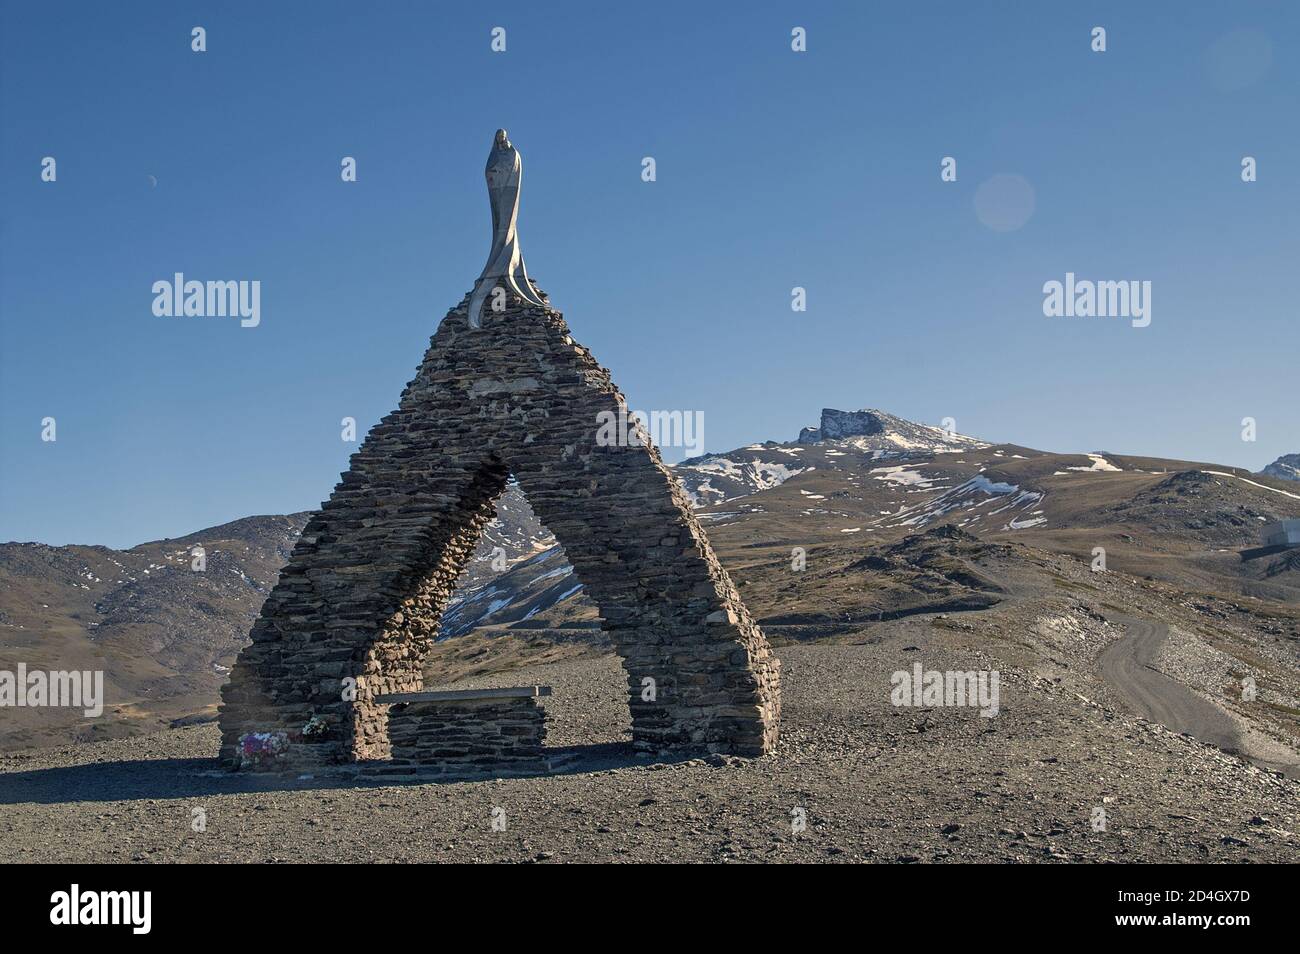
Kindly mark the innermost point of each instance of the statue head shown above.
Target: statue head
(503, 165)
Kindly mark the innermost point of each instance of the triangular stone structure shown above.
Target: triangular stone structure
(502, 389)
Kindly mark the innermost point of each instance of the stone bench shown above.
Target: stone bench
(466, 732)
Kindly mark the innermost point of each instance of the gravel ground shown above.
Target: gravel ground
(874, 782)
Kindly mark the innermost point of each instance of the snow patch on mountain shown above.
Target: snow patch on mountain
(902, 475)
(1099, 463)
(762, 475)
(717, 478)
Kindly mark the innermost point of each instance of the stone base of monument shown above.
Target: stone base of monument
(465, 733)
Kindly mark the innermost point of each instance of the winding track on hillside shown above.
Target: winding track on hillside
(1127, 665)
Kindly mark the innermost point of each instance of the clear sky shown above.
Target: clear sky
(775, 169)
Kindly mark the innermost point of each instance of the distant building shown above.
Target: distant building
(1284, 533)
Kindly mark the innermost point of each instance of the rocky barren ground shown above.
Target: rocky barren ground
(875, 782)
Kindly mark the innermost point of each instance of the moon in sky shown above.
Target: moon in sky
(153, 182)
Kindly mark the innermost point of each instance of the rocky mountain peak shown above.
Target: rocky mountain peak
(886, 430)
(1286, 467)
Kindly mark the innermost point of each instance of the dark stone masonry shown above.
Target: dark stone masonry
(484, 734)
(357, 607)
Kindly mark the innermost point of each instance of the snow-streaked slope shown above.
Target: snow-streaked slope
(842, 439)
(1220, 473)
(972, 504)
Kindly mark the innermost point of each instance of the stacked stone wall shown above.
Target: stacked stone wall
(469, 737)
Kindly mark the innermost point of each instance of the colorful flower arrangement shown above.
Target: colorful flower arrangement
(262, 749)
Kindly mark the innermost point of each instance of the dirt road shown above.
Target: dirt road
(1128, 666)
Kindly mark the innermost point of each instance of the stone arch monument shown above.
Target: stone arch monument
(503, 389)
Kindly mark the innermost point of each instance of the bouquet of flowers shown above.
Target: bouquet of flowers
(316, 728)
(262, 749)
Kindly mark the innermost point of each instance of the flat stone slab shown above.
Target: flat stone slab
(463, 695)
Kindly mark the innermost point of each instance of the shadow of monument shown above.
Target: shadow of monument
(193, 778)
(1256, 553)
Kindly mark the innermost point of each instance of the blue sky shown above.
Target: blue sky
(774, 169)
